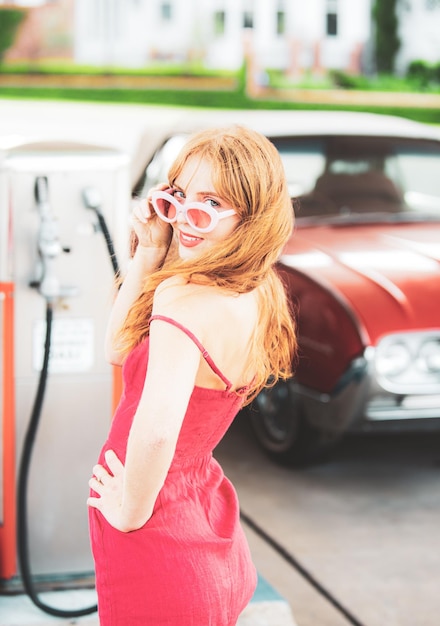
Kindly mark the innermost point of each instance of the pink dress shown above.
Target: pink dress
(190, 564)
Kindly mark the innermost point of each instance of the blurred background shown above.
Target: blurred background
(231, 52)
(96, 96)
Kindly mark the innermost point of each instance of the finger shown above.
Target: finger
(100, 473)
(95, 503)
(142, 211)
(159, 187)
(96, 485)
(113, 462)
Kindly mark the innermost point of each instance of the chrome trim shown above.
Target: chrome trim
(358, 399)
(397, 414)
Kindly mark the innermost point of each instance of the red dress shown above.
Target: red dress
(190, 564)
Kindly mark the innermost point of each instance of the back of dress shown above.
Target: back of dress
(199, 570)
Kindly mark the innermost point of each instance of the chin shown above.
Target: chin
(188, 254)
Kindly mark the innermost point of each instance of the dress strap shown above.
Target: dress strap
(204, 352)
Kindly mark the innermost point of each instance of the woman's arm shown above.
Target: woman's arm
(173, 365)
(154, 238)
(127, 499)
(145, 261)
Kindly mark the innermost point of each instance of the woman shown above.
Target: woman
(202, 306)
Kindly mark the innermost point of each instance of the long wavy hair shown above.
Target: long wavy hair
(248, 173)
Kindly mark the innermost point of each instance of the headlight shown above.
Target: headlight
(429, 356)
(392, 359)
(409, 362)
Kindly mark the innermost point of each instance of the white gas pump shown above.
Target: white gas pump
(59, 202)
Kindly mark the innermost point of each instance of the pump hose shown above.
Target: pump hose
(22, 525)
(22, 513)
(108, 240)
(293, 562)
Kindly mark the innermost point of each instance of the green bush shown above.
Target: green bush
(218, 99)
(10, 20)
(68, 68)
(424, 73)
(347, 81)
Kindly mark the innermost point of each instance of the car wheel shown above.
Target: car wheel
(281, 429)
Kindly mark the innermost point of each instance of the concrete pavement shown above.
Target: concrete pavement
(267, 608)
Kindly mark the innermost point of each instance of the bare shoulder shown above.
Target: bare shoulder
(200, 307)
(223, 322)
(177, 292)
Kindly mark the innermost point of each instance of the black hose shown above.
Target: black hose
(108, 241)
(300, 568)
(22, 515)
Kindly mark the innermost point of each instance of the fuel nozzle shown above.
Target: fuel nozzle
(93, 201)
(48, 245)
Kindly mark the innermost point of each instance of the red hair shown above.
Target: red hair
(247, 172)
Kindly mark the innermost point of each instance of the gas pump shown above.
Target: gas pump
(56, 283)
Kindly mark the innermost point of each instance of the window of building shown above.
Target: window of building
(166, 11)
(248, 19)
(248, 13)
(332, 18)
(281, 22)
(219, 23)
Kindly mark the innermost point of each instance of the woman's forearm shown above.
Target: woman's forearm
(157, 422)
(150, 450)
(146, 467)
(145, 261)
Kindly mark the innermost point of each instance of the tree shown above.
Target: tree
(10, 20)
(387, 41)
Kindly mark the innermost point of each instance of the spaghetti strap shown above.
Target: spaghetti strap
(200, 346)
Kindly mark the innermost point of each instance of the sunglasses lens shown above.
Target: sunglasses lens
(199, 218)
(165, 208)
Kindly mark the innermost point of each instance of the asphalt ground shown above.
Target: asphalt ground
(363, 525)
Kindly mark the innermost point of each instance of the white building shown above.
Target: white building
(288, 34)
(419, 28)
(295, 35)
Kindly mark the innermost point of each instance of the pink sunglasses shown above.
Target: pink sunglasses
(200, 216)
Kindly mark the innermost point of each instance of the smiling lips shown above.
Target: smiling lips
(189, 241)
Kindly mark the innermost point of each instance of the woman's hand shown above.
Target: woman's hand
(151, 231)
(109, 487)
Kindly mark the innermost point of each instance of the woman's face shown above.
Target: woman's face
(194, 184)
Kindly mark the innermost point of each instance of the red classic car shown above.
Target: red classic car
(363, 272)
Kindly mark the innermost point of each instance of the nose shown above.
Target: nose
(180, 215)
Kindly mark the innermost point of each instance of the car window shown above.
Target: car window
(303, 163)
(355, 176)
(419, 169)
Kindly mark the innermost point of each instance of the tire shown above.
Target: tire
(281, 429)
